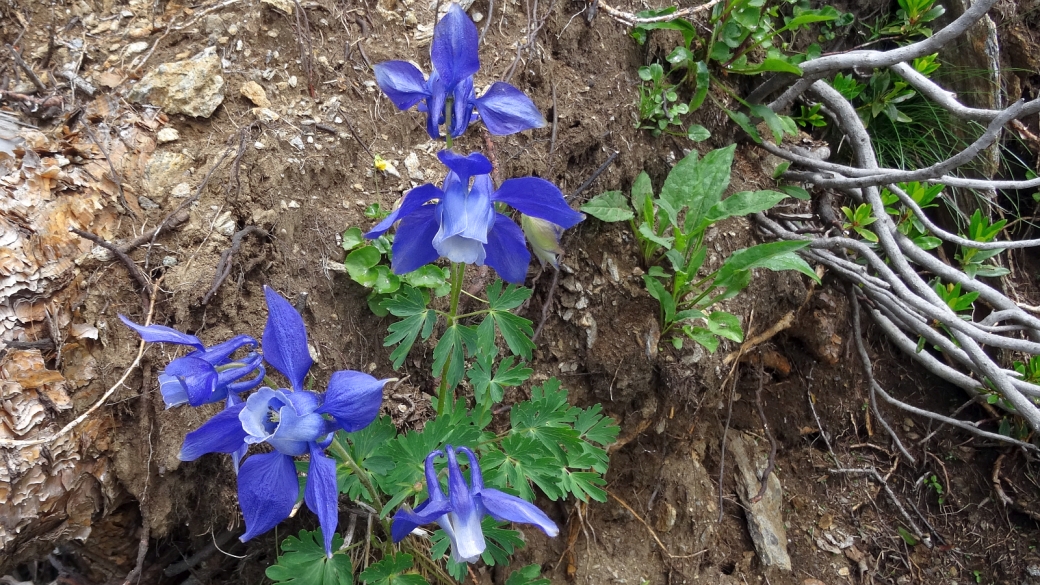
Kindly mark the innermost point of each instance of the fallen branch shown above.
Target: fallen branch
(629, 19)
(224, 265)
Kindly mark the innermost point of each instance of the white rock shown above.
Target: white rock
(138, 47)
(411, 162)
(167, 135)
(181, 190)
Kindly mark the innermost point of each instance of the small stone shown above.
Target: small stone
(477, 16)
(138, 47)
(180, 190)
(285, 6)
(293, 205)
(167, 134)
(146, 203)
(252, 91)
(194, 87)
(411, 163)
(293, 82)
(169, 261)
(666, 517)
(297, 143)
(265, 114)
(233, 30)
(258, 145)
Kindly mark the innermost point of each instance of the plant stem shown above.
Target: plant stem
(448, 105)
(343, 453)
(458, 274)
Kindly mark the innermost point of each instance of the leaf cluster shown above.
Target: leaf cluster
(670, 229)
(368, 264)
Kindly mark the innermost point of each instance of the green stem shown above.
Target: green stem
(343, 453)
(432, 566)
(448, 105)
(457, 276)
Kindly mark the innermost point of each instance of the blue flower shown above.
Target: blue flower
(205, 375)
(449, 89)
(460, 512)
(463, 225)
(293, 422)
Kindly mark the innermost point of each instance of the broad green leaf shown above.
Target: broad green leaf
(609, 207)
(657, 290)
(303, 562)
(703, 337)
(384, 281)
(642, 191)
(796, 192)
(428, 276)
(392, 571)
(741, 119)
(755, 256)
(647, 233)
(770, 64)
(788, 261)
(743, 203)
(360, 262)
(352, 238)
(772, 120)
(697, 133)
(698, 184)
(807, 18)
(725, 325)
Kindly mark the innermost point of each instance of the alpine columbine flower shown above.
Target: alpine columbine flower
(205, 375)
(463, 225)
(293, 422)
(460, 512)
(449, 89)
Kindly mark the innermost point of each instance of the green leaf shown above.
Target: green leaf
(584, 485)
(523, 460)
(908, 537)
(352, 238)
(409, 303)
(391, 571)
(505, 300)
(725, 325)
(698, 184)
(647, 233)
(428, 276)
(757, 256)
(384, 282)
(642, 191)
(360, 262)
(770, 64)
(697, 133)
(743, 203)
(303, 562)
(789, 261)
(741, 119)
(703, 337)
(609, 207)
(527, 576)
(547, 418)
(487, 386)
(773, 121)
(658, 291)
(796, 192)
(703, 79)
(450, 350)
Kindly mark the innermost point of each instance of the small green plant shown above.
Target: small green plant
(973, 260)
(810, 116)
(368, 264)
(670, 230)
(906, 220)
(1029, 369)
(933, 483)
(884, 91)
(858, 220)
(659, 105)
(911, 18)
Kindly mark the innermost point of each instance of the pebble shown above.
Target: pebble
(138, 47)
(293, 82)
(169, 261)
(167, 135)
(181, 190)
(297, 143)
(252, 91)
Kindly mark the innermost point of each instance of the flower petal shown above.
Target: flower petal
(435, 105)
(321, 494)
(198, 377)
(405, 520)
(538, 198)
(285, 339)
(506, 251)
(304, 402)
(295, 432)
(503, 506)
(267, 491)
(476, 478)
(236, 456)
(218, 353)
(465, 166)
(462, 106)
(413, 200)
(173, 391)
(507, 110)
(243, 385)
(454, 48)
(465, 217)
(163, 334)
(255, 415)
(413, 244)
(544, 237)
(402, 82)
(221, 434)
(353, 399)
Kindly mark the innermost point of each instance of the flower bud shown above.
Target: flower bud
(544, 237)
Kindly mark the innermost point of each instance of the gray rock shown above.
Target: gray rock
(194, 87)
(764, 517)
(147, 203)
